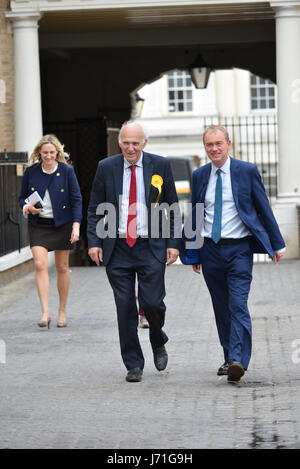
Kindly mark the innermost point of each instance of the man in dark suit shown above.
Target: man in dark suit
(238, 222)
(126, 233)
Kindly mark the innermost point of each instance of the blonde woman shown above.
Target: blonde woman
(55, 226)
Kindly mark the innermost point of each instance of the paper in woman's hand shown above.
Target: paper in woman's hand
(34, 199)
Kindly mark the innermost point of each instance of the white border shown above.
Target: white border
(15, 258)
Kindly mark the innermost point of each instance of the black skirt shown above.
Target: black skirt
(49, 236)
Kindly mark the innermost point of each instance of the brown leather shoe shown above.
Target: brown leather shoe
(235, 372)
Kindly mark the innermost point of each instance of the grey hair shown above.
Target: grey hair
(131, 122)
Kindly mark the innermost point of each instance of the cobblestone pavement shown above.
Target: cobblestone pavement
(66, 388)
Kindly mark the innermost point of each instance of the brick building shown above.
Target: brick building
(6, 82)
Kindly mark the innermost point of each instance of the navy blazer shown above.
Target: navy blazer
(251, 203)
(107, 188)
(63, 188)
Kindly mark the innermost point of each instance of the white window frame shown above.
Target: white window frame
(262, 86)
(185, 88)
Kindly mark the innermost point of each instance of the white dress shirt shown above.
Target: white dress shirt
(47, 211)
(232, 225)
(142, 212)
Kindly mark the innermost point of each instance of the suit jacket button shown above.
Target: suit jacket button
(57, 174)
(62, 190)
(32, 188)
(64, 206)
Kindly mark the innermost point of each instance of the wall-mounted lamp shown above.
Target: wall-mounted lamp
(199, 71)
(139, 102)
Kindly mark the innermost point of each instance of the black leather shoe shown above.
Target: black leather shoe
(160, 358)
(222, 371)
(235, 371)
(134, 375)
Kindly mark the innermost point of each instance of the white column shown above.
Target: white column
(288, 83)
(288, 87)
(28, 108)
(225, 92)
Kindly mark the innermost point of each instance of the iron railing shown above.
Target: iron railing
(254, 139)
(85, 141)
(13, 226)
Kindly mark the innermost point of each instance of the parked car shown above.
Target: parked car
(182, 173)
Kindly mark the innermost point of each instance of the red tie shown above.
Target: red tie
(131, 220)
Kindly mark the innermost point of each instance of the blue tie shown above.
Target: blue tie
(216, 228)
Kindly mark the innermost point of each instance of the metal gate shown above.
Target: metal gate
(86, 142)
(253, 139)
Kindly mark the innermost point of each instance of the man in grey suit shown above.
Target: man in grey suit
(135, 184)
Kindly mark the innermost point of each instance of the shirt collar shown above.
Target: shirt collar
(55, 169)
(225, 168)
(138, 163)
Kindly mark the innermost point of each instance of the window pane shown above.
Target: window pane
(263, 104)
(262, 93)
(180, 91)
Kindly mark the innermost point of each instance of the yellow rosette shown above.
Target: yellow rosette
(157, 181)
